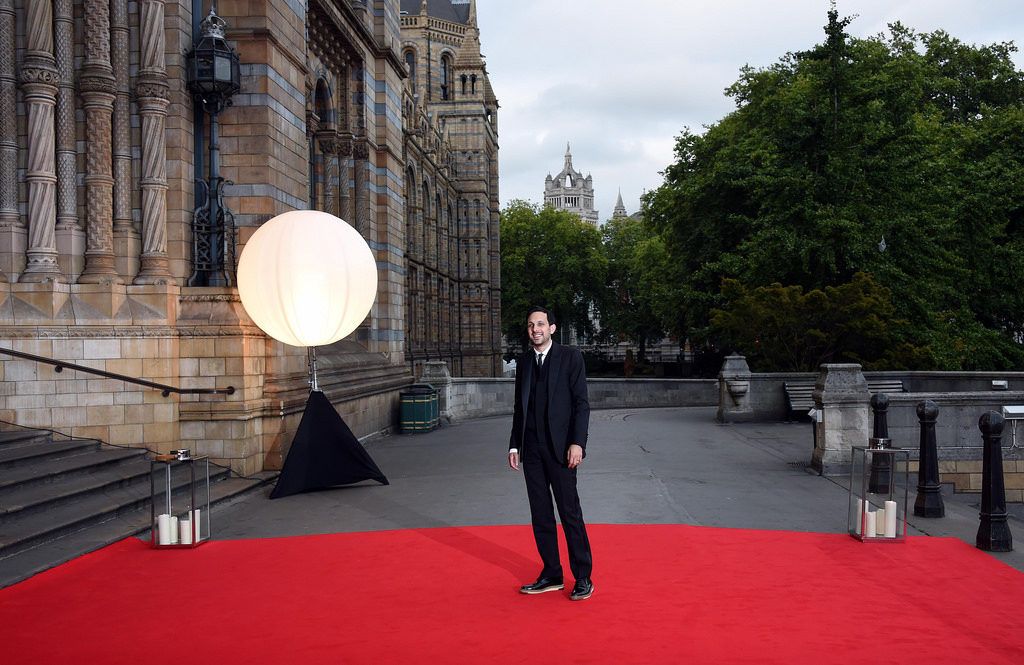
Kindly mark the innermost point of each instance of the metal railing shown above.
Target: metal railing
(165, 390)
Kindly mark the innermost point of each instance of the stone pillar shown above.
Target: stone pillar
(327, 140)
(152, 92)
(39, 84)
(841, 395)
(734, 391)
(344, 158)
(435, 372)
(361, 214)
(12, 229)
(126, 244)
(98, 87)
(70, 236)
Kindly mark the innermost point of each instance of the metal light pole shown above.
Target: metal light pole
(214, 76)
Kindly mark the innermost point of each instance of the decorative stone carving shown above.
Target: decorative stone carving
(39, 83)
(11, 226)
(152, 90)
(98, 89)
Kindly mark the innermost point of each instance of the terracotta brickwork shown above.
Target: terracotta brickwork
(98, 160)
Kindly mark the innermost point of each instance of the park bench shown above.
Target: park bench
(800, 400)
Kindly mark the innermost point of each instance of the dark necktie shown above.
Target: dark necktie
(540, 360)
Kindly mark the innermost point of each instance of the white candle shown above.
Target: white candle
(163, 523)
(890, 519)
(199, 524)
(880, 522)
(859, 517)
(185, 532)
(869, 524)
(174, 530)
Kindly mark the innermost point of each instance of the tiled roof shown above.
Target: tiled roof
(457, 12)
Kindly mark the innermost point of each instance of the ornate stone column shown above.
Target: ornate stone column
(152, 92)
(70, 236)
(329, 144)
(344, 158)
(98, 86)
(12, 229)
(126, 236)
(39, 84)
(361, 214)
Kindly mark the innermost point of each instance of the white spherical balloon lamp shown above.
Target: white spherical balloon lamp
(307, 278)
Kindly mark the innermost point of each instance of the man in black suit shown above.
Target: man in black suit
(549, 436)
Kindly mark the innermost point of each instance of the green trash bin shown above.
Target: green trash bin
(419, 408)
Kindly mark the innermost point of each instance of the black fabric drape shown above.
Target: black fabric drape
(324, 453)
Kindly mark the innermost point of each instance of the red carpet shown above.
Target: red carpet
(664, 594)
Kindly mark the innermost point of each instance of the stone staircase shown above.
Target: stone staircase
(60, 499)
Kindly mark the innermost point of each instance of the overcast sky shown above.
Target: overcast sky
(619, 79)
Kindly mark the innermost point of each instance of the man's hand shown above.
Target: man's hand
(574, 456)
(513, 461)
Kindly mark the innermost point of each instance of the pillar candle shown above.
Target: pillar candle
(880, 522)
(890, 519)
(185, 532)
(196, 519)
(869, 524)
(174, 530)
(163, 523)
(858, 518)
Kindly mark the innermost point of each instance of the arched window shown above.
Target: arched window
(464, 79)
(410, 65)
(446, 77)
(472, 80)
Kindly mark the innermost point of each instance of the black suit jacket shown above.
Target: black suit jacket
(568, 406)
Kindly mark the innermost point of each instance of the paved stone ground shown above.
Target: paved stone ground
(644, 466)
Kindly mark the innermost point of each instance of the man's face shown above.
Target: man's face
(539, 329)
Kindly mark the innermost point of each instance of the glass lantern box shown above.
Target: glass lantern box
(877, 510)
(180, 506)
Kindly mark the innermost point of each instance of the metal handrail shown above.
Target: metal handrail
(165, 390)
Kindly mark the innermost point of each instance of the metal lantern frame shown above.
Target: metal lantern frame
(214, 75)
(167, 491)
(867, 493)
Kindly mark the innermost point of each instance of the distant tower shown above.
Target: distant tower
(569, 190)
(620, 209)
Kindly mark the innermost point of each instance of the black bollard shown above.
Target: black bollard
(929, 492)
(881, 465)
(993, 532)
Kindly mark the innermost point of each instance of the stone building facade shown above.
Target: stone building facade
(451, 161)
(570, 190)
(100, 147)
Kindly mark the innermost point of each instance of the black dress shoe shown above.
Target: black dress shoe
(582, 590)
(543, 585)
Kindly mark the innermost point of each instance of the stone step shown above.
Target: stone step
(56, 469)
(45, 555)
(16, 437)
(23, 529)
(24, 499)
(13, 455)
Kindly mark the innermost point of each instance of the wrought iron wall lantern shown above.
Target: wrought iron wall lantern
(214, 75)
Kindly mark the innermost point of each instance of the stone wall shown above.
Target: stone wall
(477, 398)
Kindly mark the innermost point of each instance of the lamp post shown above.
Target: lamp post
(213, 77)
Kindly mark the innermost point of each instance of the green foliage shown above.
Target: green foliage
(636, 264)
(781, 328)
(914, 138)
(550, 258)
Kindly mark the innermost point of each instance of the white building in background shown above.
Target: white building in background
(570, 190)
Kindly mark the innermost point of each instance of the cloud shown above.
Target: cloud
(621, 79)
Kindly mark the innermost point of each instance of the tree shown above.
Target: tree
(914, 139)
(636, 260)
(550, 258)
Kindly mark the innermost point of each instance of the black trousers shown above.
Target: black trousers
(547, 476)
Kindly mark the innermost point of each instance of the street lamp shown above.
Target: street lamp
(214, 76)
